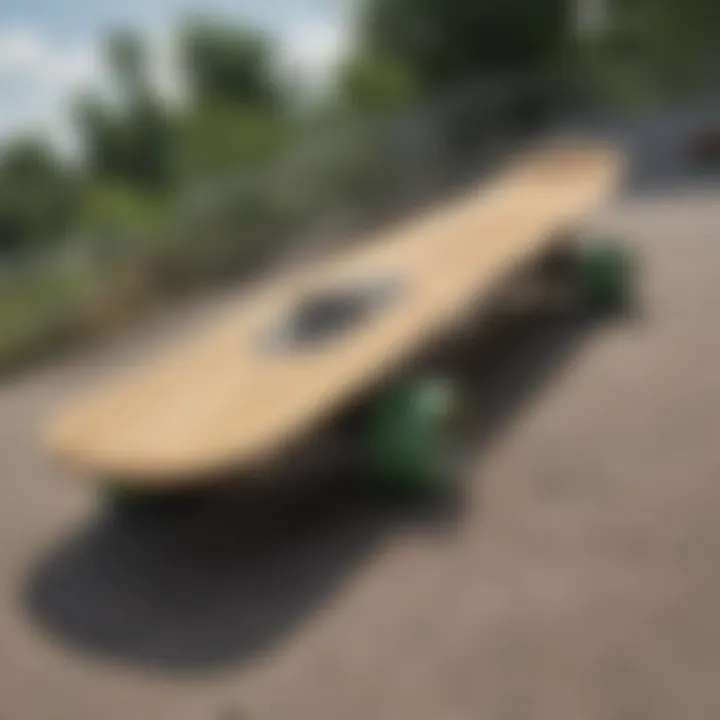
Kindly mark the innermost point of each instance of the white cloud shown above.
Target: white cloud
(310, 54)
(37, 79)
(27, 52)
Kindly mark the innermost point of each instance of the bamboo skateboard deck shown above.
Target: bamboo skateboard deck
(283, 360)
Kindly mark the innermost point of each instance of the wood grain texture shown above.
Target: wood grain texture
(222, 400)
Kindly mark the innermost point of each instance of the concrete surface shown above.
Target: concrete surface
(580, 580)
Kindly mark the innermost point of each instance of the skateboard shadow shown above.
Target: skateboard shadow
(197, 594)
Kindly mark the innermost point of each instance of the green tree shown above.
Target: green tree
(38, 196)
(132, 143)
(104, 136)
(237, 118)
(652, 50)
(217, 140)
(228, 65)
(446, 41)
(667, 26)
(372, 83)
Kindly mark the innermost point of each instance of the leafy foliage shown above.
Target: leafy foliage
(38, 196)
(449, 41)
(218, 140)
(228, 65)
(372, 83)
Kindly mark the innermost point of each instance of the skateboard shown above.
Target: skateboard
(313, 340)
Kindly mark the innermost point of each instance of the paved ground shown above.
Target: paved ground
(580, 581)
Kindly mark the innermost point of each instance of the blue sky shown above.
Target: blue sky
(78, 19)
(49, 48)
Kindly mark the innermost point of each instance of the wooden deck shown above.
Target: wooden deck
(227, 399)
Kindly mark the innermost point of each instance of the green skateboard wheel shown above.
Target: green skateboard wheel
(607, 273)
(410, 443)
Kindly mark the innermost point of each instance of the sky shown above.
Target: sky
(49, 49)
